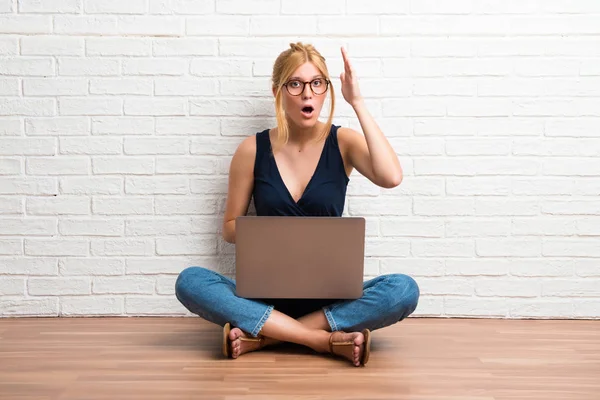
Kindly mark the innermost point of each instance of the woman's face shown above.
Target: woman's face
(301, 104)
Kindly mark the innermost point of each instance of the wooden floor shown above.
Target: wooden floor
(180, 358)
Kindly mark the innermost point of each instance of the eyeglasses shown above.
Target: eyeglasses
(296, 87)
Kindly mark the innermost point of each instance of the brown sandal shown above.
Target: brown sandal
(346, 349)
(227, 342)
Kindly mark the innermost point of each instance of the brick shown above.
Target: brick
(37, 266)
(56, 247)
(91, 266)
(123, 285)
(197, 245)
(29, 307)
(11, 247)
(157, 185)
(90, 227)
(28, 226)
(59, 205)
(122, 247)
(508, 247)
(122, 205)
(91, 305)
(58, 286)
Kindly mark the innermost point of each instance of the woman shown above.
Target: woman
(301, 168)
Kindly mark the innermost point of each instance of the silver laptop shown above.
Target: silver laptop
(299, 257)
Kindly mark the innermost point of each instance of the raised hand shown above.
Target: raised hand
(350, 89)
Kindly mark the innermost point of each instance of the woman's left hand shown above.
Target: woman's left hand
(350, 89)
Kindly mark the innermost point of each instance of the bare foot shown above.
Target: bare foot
(239, 347)
(358, 338)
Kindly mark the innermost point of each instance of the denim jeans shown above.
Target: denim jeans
(386, 300)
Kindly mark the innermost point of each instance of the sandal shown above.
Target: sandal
(227, 342)
(346, 349)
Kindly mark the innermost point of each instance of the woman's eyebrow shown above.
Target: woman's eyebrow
(299, 79)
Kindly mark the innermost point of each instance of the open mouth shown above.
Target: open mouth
(308, 111)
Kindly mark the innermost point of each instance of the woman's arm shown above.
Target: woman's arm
(241, 183)
(371, 154)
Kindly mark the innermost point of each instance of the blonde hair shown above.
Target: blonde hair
(285, 65)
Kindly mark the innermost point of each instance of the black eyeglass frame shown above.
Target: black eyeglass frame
(327, 82)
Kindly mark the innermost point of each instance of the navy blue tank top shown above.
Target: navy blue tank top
(324, 195)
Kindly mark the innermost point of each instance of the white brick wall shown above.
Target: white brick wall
(118, 120)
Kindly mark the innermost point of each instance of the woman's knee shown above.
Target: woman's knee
(405, 293)
(189, 278)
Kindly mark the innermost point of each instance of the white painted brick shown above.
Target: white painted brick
(25, 24)
(584, 107)
(11, 126)
(479, 227)
(27, 107)
(413, 108)
(442, 247)
(380, 206)
(90, 227)
(587, 308)
(157, 185)
(56, 247)
(544, 267)
(122, 86)
(386, 248)
(91, 266)
(572, 207)
(113, 46)
(185, 47)
(282, 26)
(34, 66)
(27, 147)
(158, 227)
(371, 267)
(166, 284)
(89, 106)
(430, 306)
(581, 247)
(218, 146)
(187, 126)
(210, 186)
(259, 47)
(243, 87)
(441, 7)
(122, 206)
(154, 305)
(56, 6)
(496, 206)
(247, 7)
(475, 307)
(122, 125)
(243, 127)
(52, 46)
(12, 286)
(475, 147)
(207, 225)
(571, 288)
(507, 288)
(154, 66)
(123, 285)
(208, 67)
(122, 247)
(452, 286)
(544, 226)
(348, 26)
(313, 7)
(123, 165)
(497, 247)
(91, 185)
(412, 266)
(57, 166)
(254, 107)
(114, 7)
(91, 305)
(57, 126)
(378, 7)
(574, 127)
(488, 186)
(188, 245)
(161, 107)
(216, 25)
(477, 267)
(443, 206)
(58, 286)
(539, 309)
(95, 145)
(30, 186)
(11, 247)
(185, 165)
(59, 205)
(586, 187)
(9, 46)
(415, 186)
(29, 307)
(181, 7)
(185, 87)
(167, 265)
(37, 266)
(476, 166)
(557, 147)
(10, 166)
(360, 186)
(137, 146)
(150, 25)
(543, 186)
(11, 205)
(588, 226)
(89, 66)
(412, 228)
(570, 167)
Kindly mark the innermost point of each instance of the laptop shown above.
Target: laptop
(299, 257)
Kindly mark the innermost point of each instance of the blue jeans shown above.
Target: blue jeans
(386, 300)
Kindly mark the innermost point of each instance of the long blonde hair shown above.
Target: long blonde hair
(285, 65)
